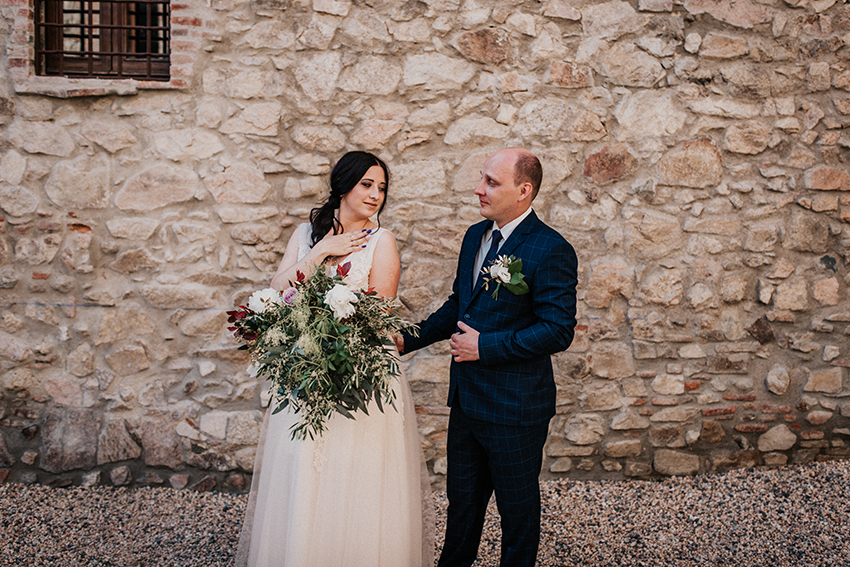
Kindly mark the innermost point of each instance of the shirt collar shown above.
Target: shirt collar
(508, 229)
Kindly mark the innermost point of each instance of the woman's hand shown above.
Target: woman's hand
(339, 245)
(332, 245)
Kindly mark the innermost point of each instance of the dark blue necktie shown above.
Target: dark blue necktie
(491, 254)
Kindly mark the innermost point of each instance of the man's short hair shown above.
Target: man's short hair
(527, 169)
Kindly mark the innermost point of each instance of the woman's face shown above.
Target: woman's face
(366, 198)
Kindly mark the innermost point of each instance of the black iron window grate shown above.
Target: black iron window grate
(116, 39)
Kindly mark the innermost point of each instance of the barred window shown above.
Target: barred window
(113, 39)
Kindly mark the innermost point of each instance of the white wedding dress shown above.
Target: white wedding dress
(358, 496)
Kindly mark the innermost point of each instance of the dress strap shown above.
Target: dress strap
(373, 243)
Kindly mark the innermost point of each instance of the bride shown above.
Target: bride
(357, 496)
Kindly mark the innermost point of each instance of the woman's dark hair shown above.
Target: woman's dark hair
(347, 172)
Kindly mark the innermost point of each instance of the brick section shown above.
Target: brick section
(181, 21)
(719, 411)
(739, 397)
(768, 408)
(751, 428)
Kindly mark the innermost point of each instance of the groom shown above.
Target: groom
(501, 389)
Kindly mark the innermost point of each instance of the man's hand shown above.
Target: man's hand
(464, 344)
(399, 343)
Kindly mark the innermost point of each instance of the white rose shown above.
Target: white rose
(340, 299)
(261, 300)
(500, 272)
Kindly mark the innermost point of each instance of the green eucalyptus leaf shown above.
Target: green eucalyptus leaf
(343, 411)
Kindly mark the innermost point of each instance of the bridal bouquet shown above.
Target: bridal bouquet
(326, 347)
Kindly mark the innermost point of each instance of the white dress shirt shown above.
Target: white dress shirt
(506, 232)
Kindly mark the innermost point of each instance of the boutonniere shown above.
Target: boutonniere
(505, 271)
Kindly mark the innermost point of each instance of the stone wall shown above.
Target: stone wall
(694, 154)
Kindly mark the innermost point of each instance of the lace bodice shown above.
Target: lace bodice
(361, 261)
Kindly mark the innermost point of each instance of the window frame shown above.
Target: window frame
(117, 55)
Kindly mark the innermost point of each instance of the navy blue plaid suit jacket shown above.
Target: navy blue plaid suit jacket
(512, 382)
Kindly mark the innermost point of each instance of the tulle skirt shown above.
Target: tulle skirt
(358, 496)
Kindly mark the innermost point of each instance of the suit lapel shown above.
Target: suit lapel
(517, 236)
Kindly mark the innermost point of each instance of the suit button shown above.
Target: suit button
(466, 317)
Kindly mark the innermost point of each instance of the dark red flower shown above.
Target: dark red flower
(236, 315)
(344, 269)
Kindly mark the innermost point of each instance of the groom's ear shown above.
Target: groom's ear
(526, 191)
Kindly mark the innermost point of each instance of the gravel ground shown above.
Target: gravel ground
(796, 515)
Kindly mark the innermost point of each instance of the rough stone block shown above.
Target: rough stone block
(740, 460)
(160, 443)
(612, 361)
(670, 436)
(743, 14)
(157, 187)
(712, 431)
(675, 463)
(721, 46)
(696, 164)
(610, 20)
(128, 360)
(41, 138)
(115, 443)
(490, 45)
(761, 330)
(669, 384)
(569, 75)
(121, 476)
(628, 419)
(636, 469)
(779, 438)
(829, 381)
(585, 429)
(206, 484)
(562, 465)
(778, 380)
(68, 439)
(819, 417)
(627, 448)
(676, 414)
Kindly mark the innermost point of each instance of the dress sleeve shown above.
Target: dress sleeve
(303, 233)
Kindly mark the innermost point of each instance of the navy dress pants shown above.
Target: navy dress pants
(484, 457)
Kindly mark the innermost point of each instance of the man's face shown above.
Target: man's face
(498, 195)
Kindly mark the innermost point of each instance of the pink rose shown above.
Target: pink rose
(289, 295)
